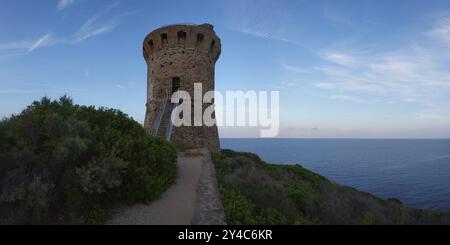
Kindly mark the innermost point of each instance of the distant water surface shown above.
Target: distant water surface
(415, 171)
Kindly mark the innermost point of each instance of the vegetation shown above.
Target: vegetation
(254, 192)
(62, 163)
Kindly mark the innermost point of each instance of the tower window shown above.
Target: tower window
(181, 35)
(200, 37)
(176, 84)
(151, 44)
(164, 38)
(213, 44)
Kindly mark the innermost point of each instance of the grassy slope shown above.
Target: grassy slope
(254, 192)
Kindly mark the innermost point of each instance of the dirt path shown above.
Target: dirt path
(178, 204)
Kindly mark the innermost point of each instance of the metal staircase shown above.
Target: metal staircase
(172, 118)
(163, 125)
(159, 116)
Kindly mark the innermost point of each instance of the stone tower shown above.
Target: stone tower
(178, 56)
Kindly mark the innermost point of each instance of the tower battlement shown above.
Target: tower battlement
(193, 37)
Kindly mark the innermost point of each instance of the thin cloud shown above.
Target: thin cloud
(266, 34)
(38, 88)
(340, 58)
(434, 116)
(415, 73)
(41, 42)
(94, 26)
(292, 68)
(325, 85)
(15, 91)
(98, 24)
(63, 4)
(441, 31)
(27, 46)
(128, 85)
(346, 98)
(262, 19)
(16, 45)
(336, 17)
(44, 89)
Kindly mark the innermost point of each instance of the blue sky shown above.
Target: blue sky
(353, 69)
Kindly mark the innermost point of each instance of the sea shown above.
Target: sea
(417, 172)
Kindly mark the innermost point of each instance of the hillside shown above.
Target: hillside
(254, 192)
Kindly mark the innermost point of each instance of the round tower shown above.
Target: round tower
(178, 56)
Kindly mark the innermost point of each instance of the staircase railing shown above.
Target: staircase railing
(159, 116)
(173, 114)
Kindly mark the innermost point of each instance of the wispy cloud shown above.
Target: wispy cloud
(441, 30)
(41, 42)
(294, 69)
(63, 4)
(16, 45)
(336, 17)
(94, 26)
(98, 24)
(340, 58)
(128, 85)
(411, 75)
(38, 88)
(260, 18)
(325, 85)
(417, 72)
(15, 91)
(346, 98)
(27, 46)
(267, 34)
(434, 116)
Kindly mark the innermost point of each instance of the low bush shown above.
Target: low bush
(65, 163)
(254, 192)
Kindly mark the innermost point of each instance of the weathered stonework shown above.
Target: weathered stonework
(177, 57)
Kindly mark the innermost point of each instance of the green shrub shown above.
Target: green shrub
(238, 209)
(39, 193)
(99, 176)
(271, 216)
(222, 166)
(366, 218)
(65, 163)
(302, 173)
(254, 192)
(304, 196)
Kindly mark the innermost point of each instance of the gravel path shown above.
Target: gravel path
(177, 205)
(193, 199)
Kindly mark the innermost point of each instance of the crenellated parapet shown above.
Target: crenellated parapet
(195, 37)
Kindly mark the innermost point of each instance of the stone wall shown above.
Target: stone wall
(209, 207)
